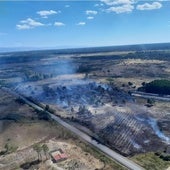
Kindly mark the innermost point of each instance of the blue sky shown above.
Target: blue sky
(83, 23)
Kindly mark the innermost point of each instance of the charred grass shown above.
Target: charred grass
(150, 161)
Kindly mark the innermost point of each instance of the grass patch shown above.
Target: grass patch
(151, 162)
(109, 163)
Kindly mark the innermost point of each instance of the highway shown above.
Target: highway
(112, 154)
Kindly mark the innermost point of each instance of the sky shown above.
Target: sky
(63, 24)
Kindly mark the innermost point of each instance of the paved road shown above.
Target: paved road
(119, 158)
(150, 96)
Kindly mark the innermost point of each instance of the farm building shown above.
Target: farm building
(58, 155)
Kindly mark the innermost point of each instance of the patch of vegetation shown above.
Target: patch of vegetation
(9, 148)
(109, 164)
(34, 76)
(110, 80)
(41, 149)
(151, 161)
(150, 102)
(163, 155)
(2, 82)
(49, 109)
(30, 165)
(157, 86)
(130, 83)
(14, 117)
(43, 115)
(151, 55)
(20, 100)
(83, 69)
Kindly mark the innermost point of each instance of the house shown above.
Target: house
(58, 155)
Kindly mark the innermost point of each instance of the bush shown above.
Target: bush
(10, 148)
(43, 115)
(150, 101)
(143, 83)
(157, 153)
(20, 100)
(130, 83)
(83, 69)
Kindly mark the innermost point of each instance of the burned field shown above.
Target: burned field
(93, 91)
(108, 112)
(21, 130)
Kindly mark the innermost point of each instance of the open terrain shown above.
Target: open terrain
(22, 129)
(93, 90)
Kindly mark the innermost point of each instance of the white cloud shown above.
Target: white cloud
(96, 5)
(117, 2)
(31, 22)
(59, 24)
(147, 6)
(23, 27)
(99, 5)
(81, 23)
(90, 17)
(90, 12)
(67, 6)
(120, 6)
(46, 13)
(126, 8)
(28, 24)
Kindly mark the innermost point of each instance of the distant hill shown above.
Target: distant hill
(137, 47)
(16, 49)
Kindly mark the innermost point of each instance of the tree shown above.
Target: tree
(10, 148)
(38, 149)
(130, 83)
(86, 75)
(143, 83)
(47, 107)
(124, 101)
(45, 149)
(7, 147)
(150, 101)
(72, 109)
(43, 115)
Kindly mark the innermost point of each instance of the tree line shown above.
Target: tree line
(161, 87)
